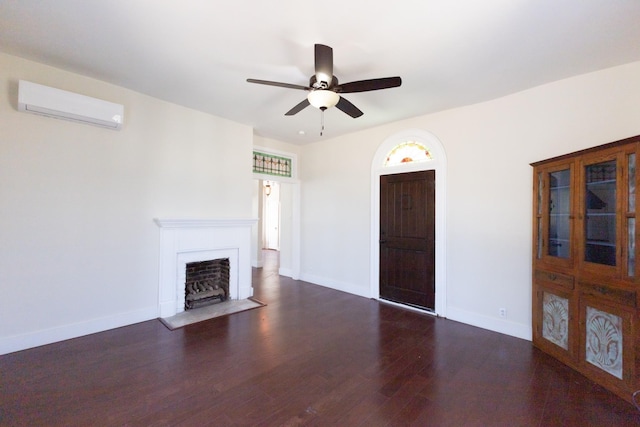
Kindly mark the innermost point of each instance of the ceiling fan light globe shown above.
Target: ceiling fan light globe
(323, 99)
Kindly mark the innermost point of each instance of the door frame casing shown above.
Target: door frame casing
(438, 164)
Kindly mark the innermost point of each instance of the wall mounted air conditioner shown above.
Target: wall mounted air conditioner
(60, 104)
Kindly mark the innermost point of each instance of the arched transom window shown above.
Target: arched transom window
(407, 152)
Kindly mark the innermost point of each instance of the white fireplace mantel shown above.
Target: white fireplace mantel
(200, 223)
(193, 240)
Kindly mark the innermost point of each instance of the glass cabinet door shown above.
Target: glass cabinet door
(559, 230)
(630, 214)
(600, 213)
(554, 212)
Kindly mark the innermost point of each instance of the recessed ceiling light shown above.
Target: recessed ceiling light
(301, 132)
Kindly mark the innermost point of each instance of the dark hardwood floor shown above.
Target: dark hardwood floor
(312, 356)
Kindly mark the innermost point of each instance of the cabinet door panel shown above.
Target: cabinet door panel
(554, 330)
(607, 341)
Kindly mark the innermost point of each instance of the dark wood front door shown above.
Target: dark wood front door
(407, 238)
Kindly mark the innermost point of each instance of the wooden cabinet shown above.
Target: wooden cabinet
(585, 283)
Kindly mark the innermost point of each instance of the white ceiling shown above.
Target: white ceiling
(199, 53)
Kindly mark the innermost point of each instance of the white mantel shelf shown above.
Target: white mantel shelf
(185, 240)
(191, 223)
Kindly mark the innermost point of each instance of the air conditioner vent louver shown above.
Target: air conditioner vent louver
(61, 104)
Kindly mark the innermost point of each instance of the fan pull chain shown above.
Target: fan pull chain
(322, 110)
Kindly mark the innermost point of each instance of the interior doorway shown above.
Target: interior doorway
(278, 225)
(276, 205)
(271, 214)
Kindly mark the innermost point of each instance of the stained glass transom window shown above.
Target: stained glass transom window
(408, 152)
(270, 164)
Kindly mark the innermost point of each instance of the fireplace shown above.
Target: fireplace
(186, 241)
(207, 282)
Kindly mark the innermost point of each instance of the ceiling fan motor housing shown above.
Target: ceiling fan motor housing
(315, 84)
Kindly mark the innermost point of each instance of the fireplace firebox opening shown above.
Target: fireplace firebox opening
(207, 282)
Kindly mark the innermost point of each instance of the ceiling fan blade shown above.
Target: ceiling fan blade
(270, 83)
(324, 63)
(295, 110)
(367, 85)
(349, 108)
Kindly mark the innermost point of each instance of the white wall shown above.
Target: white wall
(489, 147)
(273, 145)
(78, 247)
(335, 205)
(256, 230)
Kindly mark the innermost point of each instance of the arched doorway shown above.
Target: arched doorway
(380, 167)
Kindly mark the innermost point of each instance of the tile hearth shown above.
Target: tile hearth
(209, 312)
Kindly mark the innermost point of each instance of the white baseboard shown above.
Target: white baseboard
(474, 319)
(337, 285)
(506, 327)
(286, 272)
(47, 336)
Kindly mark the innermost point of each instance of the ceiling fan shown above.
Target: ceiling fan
(324, 89)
